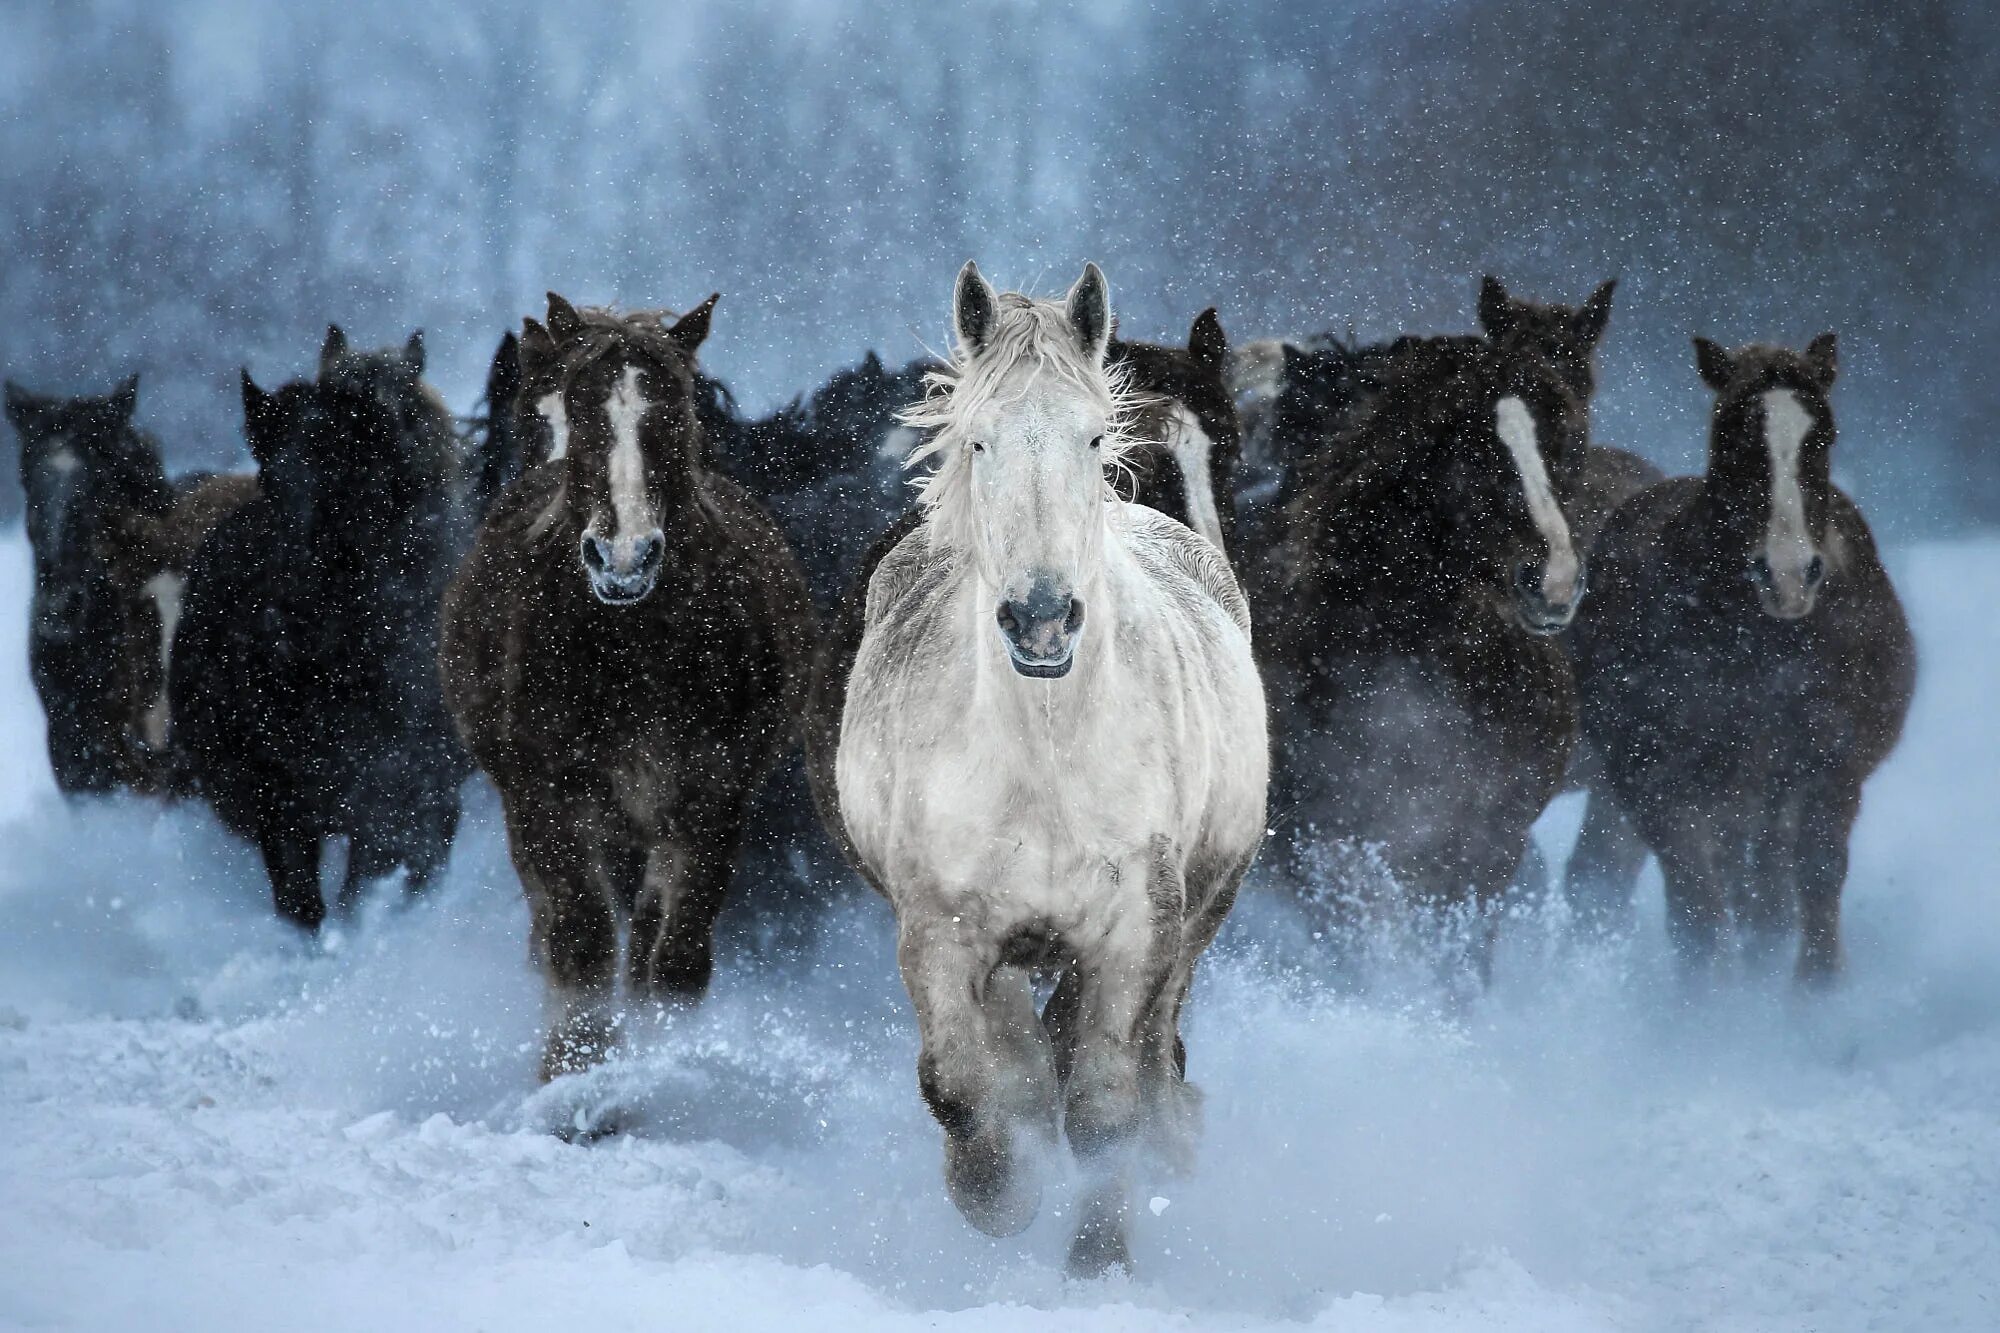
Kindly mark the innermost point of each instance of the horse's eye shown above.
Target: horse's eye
(1097, 441)
(978, 448)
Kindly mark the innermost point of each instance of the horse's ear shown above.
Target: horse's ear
(691, 329)
(975, 308)
(564, 322)
(125, 398)
(333, 348)
(1206, 341)
(1823, 360)
(1714, 363)
(1496, 308)
(1594, 314)
(22, 406)
(1089, 307)
(413, 352)
(257, 420)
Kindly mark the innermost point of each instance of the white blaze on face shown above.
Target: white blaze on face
(165, 589)
(1191, 448)
(1516, 426)
(1788, 548)
(554, 411)
(626, 408)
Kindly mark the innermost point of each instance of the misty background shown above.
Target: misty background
(191, 185)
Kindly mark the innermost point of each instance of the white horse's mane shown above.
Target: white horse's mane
(1027, 332)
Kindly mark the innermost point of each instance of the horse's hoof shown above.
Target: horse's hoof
(1098, 1250)
(989, 1183)
(1818, 970)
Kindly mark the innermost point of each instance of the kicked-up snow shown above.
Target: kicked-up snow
(211, 1126)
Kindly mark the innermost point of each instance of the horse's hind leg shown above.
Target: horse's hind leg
(984, 1070)
(1604, 866)
(1822, 863)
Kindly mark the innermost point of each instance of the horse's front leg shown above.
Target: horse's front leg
(559, 855)
(1122, 1053)
(985, 1070)
(685, 883)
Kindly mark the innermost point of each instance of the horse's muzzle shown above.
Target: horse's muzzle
(1536, 610)
(1791, 596)
(623, 570)
(1041, 630)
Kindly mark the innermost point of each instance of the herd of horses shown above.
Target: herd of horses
(1147, 601)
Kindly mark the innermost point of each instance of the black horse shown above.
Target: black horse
(305, 690)
(86, 470)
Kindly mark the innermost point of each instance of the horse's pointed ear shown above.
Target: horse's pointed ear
(125, 398)
(256, 419)
(413, 352)
(975, 308)
(1290, 365)
(1594, 314)
(1496, 308)
(1714, 363)
(564, 322)
(691, 329)
(21, 404)
(1089, 307)
(333, 348)
(1206, 341)
(1823, 360)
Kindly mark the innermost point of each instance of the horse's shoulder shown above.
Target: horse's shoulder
(911, 566)
(1166, 544)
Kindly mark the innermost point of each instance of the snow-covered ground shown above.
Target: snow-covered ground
(207, 1127)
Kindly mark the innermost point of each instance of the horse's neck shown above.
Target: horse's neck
(1391, 575)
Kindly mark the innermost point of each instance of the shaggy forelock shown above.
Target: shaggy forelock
(1028, 335)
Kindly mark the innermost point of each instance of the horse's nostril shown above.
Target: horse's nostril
(1009, 622)
(1760, 571)
(1528, 576)
(651, 548)
(1815, 569)
(596, 553)
(1074, 621)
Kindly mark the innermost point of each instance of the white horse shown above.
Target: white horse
(1034, 789)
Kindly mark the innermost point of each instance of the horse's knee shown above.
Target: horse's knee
(1102, 1105)
(951, 1095)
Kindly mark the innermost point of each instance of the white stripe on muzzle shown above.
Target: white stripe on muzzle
(1517, 431)
(1191, 448)
(627, 465)
(1788, 548)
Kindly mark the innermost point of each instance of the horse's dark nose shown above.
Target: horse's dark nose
(623, 569)
(1539, 613)
(1041, 629)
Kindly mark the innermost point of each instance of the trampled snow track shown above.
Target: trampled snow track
(207, 1127)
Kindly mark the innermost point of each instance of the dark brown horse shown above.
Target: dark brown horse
(147, 557)
(86, 469)
(1422, 701)
(1605, 864)
(1744, 664)
(624, 650)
